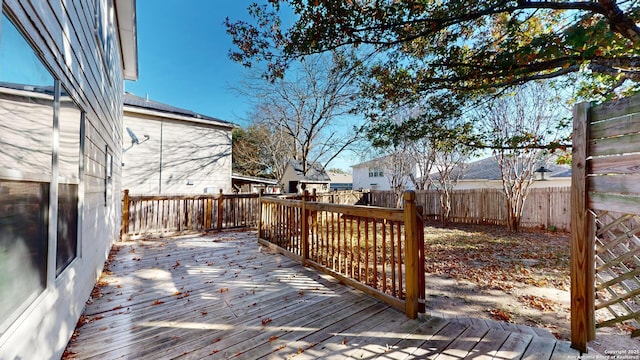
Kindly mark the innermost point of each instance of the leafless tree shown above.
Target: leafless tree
(398, 168)
(309, 110)
(448, 162)
(520, 125)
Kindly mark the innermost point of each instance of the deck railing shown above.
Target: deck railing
(377, 250)
(168, 215)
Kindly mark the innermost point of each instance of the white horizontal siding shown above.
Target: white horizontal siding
(62, 32)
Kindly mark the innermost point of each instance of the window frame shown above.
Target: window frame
(51, 278)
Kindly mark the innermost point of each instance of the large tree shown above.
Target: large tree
(427, 45)
(309, 110)
(519, 126)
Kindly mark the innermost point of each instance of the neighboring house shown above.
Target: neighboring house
(62, 70)
(252, 184)
(485, 173)
(179, 151)
(294, 181)
(375, 175)
(340, 181)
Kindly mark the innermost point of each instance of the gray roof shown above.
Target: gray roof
(261, 180)
(488, 169)
(314, 174)
(140, 102)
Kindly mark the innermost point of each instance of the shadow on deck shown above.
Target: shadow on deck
(224, 296)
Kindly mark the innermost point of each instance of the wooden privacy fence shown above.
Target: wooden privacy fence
(605, 224)
(544, 208)
(377, 250)
(167, 215)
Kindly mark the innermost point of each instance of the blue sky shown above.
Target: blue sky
(182, 56)
(183, 62)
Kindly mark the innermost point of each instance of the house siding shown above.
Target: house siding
(361, 179)
(193, 151)
(62, 33)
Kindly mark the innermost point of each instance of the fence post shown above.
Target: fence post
(304, 228)
(220, 210)
(411, 257)
(124, 230)
(582, 261)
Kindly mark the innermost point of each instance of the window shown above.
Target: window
(36, 143)
(375, 172)
(70, 123)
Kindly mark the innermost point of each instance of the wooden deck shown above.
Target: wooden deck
(222, 296)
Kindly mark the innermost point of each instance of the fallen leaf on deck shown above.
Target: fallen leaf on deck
(344, 341)
(157, 302)
(266, 321)
(224, 290)
(273, 338)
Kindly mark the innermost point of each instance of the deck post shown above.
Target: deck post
(124, 230)
(304, 228)
(208, 210)
(411, 255)
(220, 211)
(422, 293)
(260, 193)
(582, 237)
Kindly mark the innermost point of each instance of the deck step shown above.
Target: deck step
(493, 324)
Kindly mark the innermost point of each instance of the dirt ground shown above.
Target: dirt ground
(487, 272)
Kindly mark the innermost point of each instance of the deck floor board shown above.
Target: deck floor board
(224, 296)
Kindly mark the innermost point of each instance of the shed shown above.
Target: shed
(294, 180)
(254, 184)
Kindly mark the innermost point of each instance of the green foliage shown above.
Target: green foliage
(462, 46)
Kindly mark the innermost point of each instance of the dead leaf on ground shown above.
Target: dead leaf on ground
(500, 315)
(157, 302)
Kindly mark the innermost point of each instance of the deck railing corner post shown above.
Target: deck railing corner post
(124, 231)
(220, 211)
(304, 228)
(260, 221)
(411, 255)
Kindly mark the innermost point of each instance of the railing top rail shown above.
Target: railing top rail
(275, 200)
(189, 196)
(359, 210)
(351, 210)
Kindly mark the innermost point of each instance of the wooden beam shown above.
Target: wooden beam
(220, 210)
(582, 247)
(411, 257)
(124, 230)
